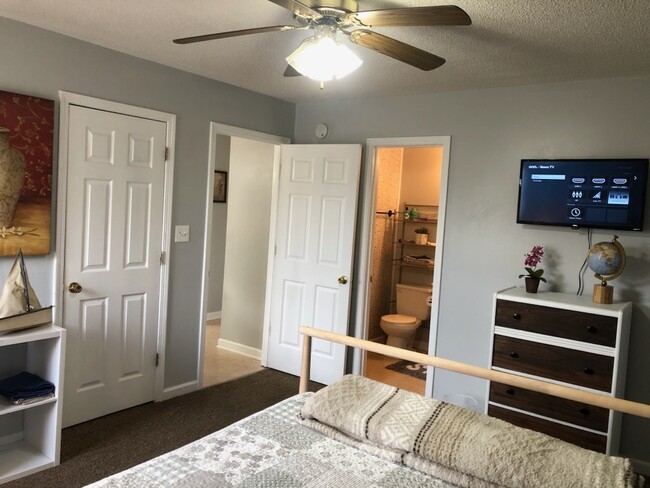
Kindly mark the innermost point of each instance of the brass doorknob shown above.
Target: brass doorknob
(74, 287)
(343, 280)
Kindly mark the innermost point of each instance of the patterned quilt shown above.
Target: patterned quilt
(271, 449)
(361, 434)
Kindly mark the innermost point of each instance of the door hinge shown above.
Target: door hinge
(162, 257)
(166, 153)
(157, 359)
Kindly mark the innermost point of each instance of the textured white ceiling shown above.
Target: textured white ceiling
(511, 42)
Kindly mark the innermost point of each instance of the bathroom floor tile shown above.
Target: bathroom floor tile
(376, 370)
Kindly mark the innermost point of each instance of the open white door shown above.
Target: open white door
(311, 284)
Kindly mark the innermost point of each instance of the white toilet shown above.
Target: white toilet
(412, 307)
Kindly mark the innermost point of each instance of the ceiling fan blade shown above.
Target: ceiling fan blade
(415, 16)
(291, 72)
(297, 8)
(243, 32)
(395, 49)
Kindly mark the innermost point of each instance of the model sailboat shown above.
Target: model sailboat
(19, 306)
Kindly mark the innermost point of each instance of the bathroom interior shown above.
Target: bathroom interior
(402, 261)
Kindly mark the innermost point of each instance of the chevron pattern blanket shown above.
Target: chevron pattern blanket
(457, 445)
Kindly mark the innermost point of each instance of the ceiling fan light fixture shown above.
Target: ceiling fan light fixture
(322, 58)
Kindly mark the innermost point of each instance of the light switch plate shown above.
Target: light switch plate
(182, 233)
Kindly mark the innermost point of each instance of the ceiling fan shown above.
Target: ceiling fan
(327, 17)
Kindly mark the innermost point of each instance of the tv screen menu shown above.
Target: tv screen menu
(604, 193)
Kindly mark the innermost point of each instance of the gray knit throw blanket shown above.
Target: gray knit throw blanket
(457, 445)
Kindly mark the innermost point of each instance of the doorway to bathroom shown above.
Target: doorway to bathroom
(403, 235)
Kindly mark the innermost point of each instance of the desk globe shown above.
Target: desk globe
(607, 261)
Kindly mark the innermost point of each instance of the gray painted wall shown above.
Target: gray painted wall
(219, 219)
(491, 131)
(41, 63)
(249, 219)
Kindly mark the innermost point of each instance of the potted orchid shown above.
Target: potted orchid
(534, 276)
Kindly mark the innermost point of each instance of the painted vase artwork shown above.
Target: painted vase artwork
(12, 173)
(26, 151)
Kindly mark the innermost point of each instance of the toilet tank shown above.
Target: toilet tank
(413, 300)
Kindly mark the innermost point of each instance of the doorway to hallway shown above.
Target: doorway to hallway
(221, 365)
(236, 251)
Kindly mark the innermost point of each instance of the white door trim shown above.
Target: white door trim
(365, 242)
(232, 131)
(67, 99)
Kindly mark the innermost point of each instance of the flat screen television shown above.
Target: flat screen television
(598, 193)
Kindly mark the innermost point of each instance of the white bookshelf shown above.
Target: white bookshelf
(30, 435)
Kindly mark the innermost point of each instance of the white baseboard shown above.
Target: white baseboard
(641, 467)
(178, 390)
(213, 315)
(251, 352)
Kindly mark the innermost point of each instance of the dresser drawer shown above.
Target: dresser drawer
(582, 438)
(558, 322)
(558, 363)
(581, 414)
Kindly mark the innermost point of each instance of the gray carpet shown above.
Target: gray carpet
(98, 448)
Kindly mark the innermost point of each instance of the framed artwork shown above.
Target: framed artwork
(26, 149)
(220, 186)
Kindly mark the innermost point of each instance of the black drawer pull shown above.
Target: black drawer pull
(584, 411)
(510, 391)
(592, 329)
(588, 371)
(516, 316)
(515, 355)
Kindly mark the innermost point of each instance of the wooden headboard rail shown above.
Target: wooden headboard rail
(596, 399)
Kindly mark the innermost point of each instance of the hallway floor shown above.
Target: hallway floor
(221, 365)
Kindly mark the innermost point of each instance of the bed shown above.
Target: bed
(360, 433)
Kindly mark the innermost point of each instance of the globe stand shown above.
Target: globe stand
(607, 260)
(603, 293)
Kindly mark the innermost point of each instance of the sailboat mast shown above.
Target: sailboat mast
(23, 275)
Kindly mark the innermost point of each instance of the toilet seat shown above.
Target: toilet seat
(400, 329)
(399, 319)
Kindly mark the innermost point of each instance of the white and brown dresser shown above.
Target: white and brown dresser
(569, 340)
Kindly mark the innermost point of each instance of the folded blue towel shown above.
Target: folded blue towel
(24, 386)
